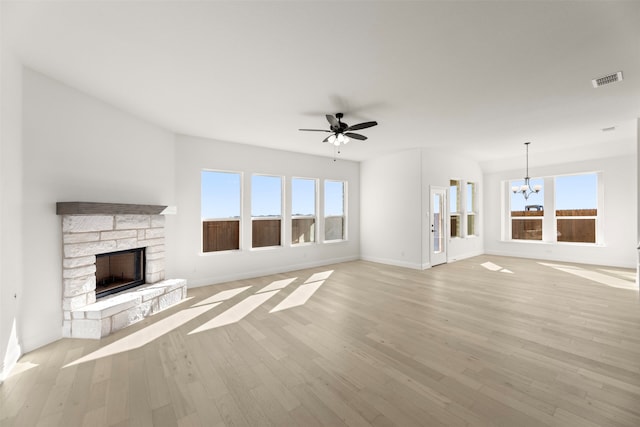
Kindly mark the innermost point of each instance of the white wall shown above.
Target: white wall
(10, 208)
(619, 215)
(77, 148)
(396, 204)
(391, 204)
(185, 259)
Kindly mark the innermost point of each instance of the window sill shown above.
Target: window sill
(230, 251)
(265, 248)
(295, 245)
(331, 242)
(539, 242)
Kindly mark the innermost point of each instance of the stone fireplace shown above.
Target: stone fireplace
(93, 232)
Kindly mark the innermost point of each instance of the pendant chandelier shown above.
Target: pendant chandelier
(526, 190)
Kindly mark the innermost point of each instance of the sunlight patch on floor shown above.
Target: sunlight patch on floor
(233, 314)
(278, 284)
(21, 367)
(494, 267)
(298, 297)
(316, 277)
(147, 334)
(627, 275)
(237, 312)
(222, 296)
(595, 276)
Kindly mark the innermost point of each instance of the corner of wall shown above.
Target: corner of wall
(10, 210)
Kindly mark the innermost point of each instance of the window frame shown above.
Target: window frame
(344, 212)
(596, 217)
(549, 215)
(294, 217)
(255, 219)
(473, 210)
(458, 212)
(538, 215)
(217, 220)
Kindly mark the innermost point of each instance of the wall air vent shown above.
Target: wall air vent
(609, 129)
(605, 80)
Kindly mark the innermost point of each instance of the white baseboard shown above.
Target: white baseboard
(394, 262)
(195, 283)
(465, 256)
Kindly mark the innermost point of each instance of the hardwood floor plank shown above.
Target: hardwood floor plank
(374, 345)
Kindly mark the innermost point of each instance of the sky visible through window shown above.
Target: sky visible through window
(303, 197)
(518, 201)
(266, 195)
(453, 198)
(333, 198)
(577, 192)
(571, 192)
(221, 196)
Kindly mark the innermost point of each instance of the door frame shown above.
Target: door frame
(437, 258)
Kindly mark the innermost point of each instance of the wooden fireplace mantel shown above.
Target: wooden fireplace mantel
(93, 208)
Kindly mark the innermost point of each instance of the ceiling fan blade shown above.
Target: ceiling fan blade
(355, 136)
(362, 126)
(332, 121)
(315, 130)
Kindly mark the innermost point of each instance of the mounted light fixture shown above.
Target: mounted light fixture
(526, 189)
(341, 133)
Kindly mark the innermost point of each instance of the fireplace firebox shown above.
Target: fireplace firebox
(118, 271)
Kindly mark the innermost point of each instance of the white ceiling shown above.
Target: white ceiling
(477, 77)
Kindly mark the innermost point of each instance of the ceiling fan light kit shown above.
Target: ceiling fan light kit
(341, 133)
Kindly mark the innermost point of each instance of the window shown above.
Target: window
(266, 210)
(334, 218)
(471, 209)
(303, 210)
(220, 210)
(454, 209)
(576, 208)
(527, 215)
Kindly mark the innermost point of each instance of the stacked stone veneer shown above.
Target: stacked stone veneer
(84, 237)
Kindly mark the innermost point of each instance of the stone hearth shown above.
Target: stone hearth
(90, 229)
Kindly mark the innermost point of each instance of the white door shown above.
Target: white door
(438, 226)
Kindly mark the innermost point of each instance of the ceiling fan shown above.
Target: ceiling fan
(340, 131)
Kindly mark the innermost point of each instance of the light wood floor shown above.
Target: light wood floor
(512, 343)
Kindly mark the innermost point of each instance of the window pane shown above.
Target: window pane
(577, 230)
(577, 192)
(220, 235)
(265, 232)
(454, 196)
(333, 210)
(454, 209)
(471, 225)
(303, 197)
(471, 197)
(333, 198)
(576, 198)
(526, 229)
(220, 210)
(535, 200)
(303, 230)
(266, 196)
(303, 204)
(455, 225)
(220, 195)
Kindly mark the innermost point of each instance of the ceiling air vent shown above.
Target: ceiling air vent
(605, 80)
(609, 129)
